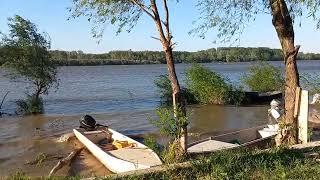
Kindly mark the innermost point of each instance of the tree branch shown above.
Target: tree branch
(166, 24)
(155, 38)
(158, 22)
(65, 161)
(143, 8)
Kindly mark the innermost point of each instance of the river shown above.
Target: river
(121, 96)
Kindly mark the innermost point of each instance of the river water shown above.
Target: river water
(123, 97)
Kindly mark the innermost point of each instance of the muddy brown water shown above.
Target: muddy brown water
(25, 138)
(123, 97)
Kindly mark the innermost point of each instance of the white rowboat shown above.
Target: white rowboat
(122, 159)
(251, 137)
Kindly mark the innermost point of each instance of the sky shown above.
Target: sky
(75, 34)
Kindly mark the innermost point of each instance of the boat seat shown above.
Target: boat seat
(136, 155)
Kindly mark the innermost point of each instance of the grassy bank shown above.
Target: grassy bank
(243, 164)
(235, 164)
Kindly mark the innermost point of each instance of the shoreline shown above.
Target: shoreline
(104, 62)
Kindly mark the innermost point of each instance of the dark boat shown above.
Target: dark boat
(261, 98)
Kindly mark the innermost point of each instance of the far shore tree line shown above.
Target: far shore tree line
(222, 54)
(128, 57)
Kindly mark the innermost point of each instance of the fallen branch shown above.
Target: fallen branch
(4, 97)
(65, 161)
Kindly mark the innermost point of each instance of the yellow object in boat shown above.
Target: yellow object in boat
(122, 144)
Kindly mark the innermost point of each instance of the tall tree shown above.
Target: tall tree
(125, 14)
(232, 16)
(25, 52)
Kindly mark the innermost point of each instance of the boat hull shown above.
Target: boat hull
(112, 160)
(249, 138)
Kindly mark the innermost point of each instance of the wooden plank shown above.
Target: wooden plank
(303, 117)
(297, 102)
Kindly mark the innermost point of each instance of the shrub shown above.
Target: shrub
(31, 105)
(207, 86)
(264, 77)
(170, 127)
(151, 142)
(164, 89)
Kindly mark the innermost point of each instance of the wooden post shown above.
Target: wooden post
(303, 117)
(297, 102)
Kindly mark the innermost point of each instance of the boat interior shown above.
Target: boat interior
(209, 142)
(122, 147)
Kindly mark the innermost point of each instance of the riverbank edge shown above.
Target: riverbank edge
(307, 149)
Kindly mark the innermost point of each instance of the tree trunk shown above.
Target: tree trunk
(284, 27)
(178, 99)
(177, 96)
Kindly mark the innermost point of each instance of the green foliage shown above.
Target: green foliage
(235, 96)
(164, 89)
(26, 54)
(19, 175)
(221, 54)
(172, 153)
(40, 158)
(263, 77)
(231, 18)
(123, 14)
(151, 142)
(207, 86)
(31, 105)
(169, 125)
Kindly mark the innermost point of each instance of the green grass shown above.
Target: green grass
(277, 163)
(243, 164)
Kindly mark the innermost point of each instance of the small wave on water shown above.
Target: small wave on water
(122, 97)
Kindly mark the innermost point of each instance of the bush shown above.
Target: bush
(170, 127)
(31, 105)
(207, 86)
(151, 142)
(164, 89)
(264, 77)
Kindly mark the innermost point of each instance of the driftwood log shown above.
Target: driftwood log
(65, 161)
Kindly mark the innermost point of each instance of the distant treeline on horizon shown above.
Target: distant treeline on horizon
(221, 54)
